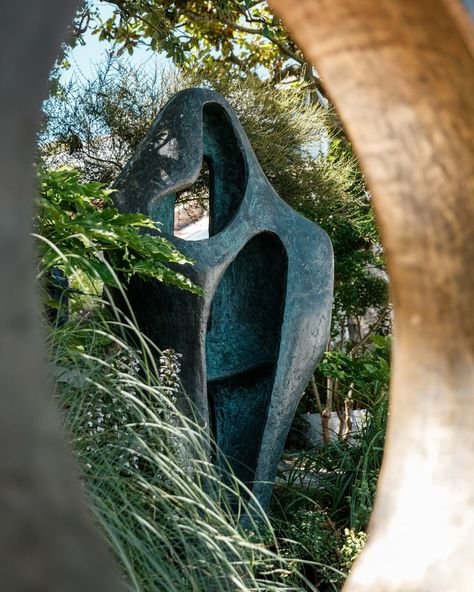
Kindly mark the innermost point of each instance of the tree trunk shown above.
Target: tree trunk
(401, 75)
(47, 540)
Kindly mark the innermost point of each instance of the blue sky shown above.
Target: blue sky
(470, 6)
(85, 58)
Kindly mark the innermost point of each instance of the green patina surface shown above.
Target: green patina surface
(252, 341)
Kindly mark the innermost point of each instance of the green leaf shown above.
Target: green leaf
(74, 225)
(379, 341)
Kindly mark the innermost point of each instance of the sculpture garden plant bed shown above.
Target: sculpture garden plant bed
(291, 469)
(263, 314)
(323, 498)
(291, 473)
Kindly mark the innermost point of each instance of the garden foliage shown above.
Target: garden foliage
(325, 505)
(81, 231)
(169, 518)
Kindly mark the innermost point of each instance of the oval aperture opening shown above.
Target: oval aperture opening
(213, 200)
(242, 347)
(191, 209)
(228, 178)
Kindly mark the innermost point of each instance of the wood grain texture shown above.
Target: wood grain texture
(401, 74)
(47, 539)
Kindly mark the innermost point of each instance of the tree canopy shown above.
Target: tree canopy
(238, 35)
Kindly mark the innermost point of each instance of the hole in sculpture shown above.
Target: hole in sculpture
(242, 347)
(228, 169)
(205, 208)
(191, 211)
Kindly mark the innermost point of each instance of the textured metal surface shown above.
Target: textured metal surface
(251, 343)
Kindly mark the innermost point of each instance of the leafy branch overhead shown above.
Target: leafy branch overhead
(80, 230)
(239, 34)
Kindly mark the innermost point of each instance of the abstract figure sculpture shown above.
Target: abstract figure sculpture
(251, 343)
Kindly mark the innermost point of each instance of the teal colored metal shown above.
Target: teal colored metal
(252, 342)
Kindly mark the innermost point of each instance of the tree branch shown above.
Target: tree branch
(281, 46)
(317, 398)
(372, 329)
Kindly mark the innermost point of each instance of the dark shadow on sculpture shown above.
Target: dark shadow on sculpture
(242, 346)
(226, 165)
(251, 343)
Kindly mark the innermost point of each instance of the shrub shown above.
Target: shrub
(81, 233)
(169, 519)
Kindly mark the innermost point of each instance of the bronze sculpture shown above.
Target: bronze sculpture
(251, 342)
